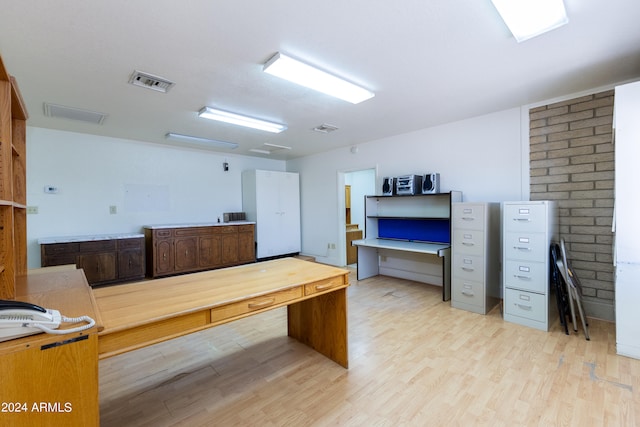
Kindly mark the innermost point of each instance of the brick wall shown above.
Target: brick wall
(572, 162)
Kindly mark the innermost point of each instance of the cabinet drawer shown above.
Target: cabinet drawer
(525, 304)
(190, 231)
(525, 217)
(468, 267)
(531, 276)
(245, 228)
(467, 291)
(136, 243)
(164, 233)
(468, 242)
(60, 248)
(323, 285)
(226, 229)
(468, 216)
(254, 304)
(98, 245)
(526, 246)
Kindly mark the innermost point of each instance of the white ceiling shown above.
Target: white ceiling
(428, 61)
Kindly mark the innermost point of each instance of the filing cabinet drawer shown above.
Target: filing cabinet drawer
(258, 303)
(467, 292)
(468, 267)
(468, 242)
(530, 217)
(530, 276)
(527, 305)
(468, 216)
(526, 246)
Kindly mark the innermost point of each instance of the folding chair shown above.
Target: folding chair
(574, 290)
(562, 299)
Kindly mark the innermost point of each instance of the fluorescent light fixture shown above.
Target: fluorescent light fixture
(530, 18)
(283, 147)
(200, 141)
(257, 150)
(285, 67)
(237, 119)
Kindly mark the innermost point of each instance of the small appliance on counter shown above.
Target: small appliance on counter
(234, 216)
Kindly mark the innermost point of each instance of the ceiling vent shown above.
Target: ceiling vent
(60, 111)
(325, 128)
(159, 84)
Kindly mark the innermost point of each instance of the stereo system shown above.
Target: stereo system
(431, 183)
(388, 186)
(428, 183)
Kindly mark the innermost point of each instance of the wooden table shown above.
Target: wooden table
(53, 379)
(140, 314)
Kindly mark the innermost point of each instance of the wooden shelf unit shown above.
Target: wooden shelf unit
(13, 194)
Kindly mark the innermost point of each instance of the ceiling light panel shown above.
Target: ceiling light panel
(200, 141)
(237, 119)
(530, 18)
(298, 72)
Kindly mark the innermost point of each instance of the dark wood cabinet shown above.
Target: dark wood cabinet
(104, 259)
(184, 248)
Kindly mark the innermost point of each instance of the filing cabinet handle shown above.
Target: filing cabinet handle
(524, 307)
(468, 269)
(518, 276)
(468, 293)
(522, 248)
(468, 243)
(522, 219)
(468, 218)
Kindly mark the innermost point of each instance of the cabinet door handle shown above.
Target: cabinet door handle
(323, 287)
(522, 248)
(261, 304)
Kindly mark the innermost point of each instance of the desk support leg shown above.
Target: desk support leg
(446, 274)
(321, 323)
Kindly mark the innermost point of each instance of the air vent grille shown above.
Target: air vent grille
(60, 111)
(325, 128)
(149, 81)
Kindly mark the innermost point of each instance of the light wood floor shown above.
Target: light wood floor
(414, 361)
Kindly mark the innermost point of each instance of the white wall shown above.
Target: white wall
(485, 157)
(148, 184)
(627, 228)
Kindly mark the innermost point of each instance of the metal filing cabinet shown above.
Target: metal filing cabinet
(475, 270)
(528, 229)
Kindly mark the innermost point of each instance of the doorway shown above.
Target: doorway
(357, 185)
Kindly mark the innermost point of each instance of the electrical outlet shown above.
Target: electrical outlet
(113, 209)
(32, 209)
(332, 246)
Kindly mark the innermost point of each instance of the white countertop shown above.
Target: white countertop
(70, 239)
(197, 224)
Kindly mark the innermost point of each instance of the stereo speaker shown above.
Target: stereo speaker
(430, 183)
(388, 185)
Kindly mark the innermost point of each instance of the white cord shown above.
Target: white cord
(89, 320)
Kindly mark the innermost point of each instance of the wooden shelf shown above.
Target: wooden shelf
(13, 176)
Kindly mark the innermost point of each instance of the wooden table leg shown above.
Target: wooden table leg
(321, 323)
